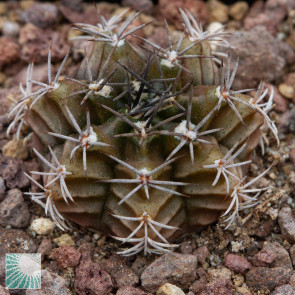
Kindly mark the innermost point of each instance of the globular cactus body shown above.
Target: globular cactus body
(145, 147)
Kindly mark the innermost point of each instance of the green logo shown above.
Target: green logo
(23, 270)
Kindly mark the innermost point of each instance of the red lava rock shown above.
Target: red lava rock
(267, 59)
(282, 258)
(219, 286)
(119, 271)
(66, 256)
(284, 290)
(9, 51)
(186, 248)
(12, 172)
(202, 253)
(287, 224)
(198, 286)
(174, 268)
(237, 263)
(45, 248)
(89, 15)
(280, 103)
(145, 6)
(90, 278)
(41, 15)
(129, 290)
(266, 279)
(14, 211)
(36, 41)
(264, 258)
(269, 15)
(169, 9)
(52, 284)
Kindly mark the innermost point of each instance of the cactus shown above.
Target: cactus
(144, 144)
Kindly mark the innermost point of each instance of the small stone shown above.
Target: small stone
(64, 239)
(284, 290)
(9, 51)
(202, 253)
(175, 268)
(286, 90)
(90, 278)
(129, 290)
(238, 10)
(198, 285)
(265, 227)
(120, 272)
(264, 258)
(14, 211)
(16, 149)
(2, 189)
(12, 171)
(45, 248)
(10, 29)
(42, 226)
(41, 15)
(52, 284)
(101, 241)
(196, 7)
(144, 6)
(237, 263)
(35, 43)
(222, 273)
(266, 279)
(219, 286)
(169, 289)
(287, 224)
(66, 256)
(219, 11)
(282, 258)
(186, 248)
(276, 55)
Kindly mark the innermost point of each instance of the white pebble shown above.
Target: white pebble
(169, 289)
(10, 29)
(42, 226)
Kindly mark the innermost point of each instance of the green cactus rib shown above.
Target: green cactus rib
(144, 145)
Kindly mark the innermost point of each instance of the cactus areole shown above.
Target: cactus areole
(144, 144)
